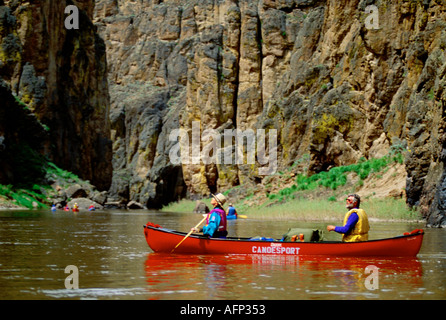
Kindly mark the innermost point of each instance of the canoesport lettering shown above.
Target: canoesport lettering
(275, 250)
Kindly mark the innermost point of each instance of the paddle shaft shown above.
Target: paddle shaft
(188, 234)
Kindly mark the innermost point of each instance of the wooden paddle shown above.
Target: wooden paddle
(188, 234)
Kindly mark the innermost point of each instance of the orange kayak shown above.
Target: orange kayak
(164, 240)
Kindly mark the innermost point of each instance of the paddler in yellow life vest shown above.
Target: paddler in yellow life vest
(356, 224)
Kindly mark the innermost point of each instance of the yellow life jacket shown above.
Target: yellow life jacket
(361, 230)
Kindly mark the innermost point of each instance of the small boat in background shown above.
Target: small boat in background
(235, 217)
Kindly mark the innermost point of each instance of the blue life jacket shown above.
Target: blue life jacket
(232, 211)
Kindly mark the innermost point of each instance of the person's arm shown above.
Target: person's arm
(352, 220)
(214, 222)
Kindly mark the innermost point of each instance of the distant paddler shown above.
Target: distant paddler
(232, 212)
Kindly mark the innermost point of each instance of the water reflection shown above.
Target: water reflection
(273, 276)
(115, 262)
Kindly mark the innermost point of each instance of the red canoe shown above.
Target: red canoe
(164, 240)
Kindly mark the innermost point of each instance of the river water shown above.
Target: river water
(113, 261)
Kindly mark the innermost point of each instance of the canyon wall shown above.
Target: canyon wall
(334, 88)
(334, 84)
(60, 76)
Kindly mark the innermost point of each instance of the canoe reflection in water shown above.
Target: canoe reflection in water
(244, 268)
(254, 276)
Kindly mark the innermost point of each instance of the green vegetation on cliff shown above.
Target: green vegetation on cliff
(319, 196)
(32, 194)
(337, 177)
(28, 198)
(302, 209)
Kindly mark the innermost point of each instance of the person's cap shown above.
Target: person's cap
(221, 199)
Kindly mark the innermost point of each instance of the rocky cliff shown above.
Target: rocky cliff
(58, 76)
(324, 82)
(332, 86)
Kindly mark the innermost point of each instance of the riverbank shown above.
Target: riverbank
(386, 209)
(57, 186)
(291, 194)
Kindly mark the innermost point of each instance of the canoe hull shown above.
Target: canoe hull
(165, 240)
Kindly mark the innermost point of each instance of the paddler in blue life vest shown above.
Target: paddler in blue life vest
(356, 224)
(216, 219)
(232, 212)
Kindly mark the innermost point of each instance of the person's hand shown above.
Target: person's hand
(331, 228)
(194, 230)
